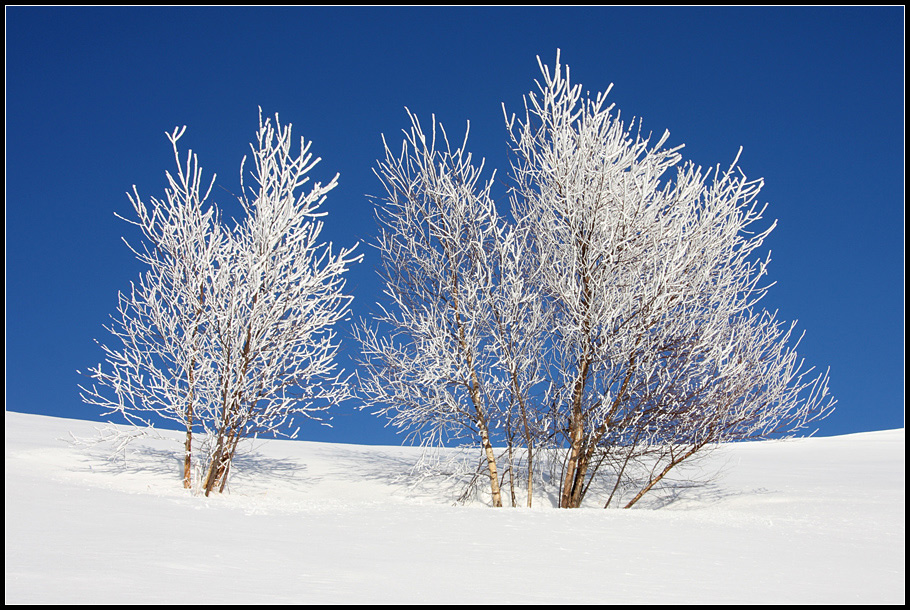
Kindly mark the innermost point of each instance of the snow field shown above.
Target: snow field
(816, 520)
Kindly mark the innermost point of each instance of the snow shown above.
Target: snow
(817, 520)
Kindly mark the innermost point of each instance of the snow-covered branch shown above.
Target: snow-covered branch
(229, 331)
(616, 317)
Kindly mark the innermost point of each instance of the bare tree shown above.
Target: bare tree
(162, 368)
(613, 324)
(433, 374)
(651, 286)
(230, 331)
(275, 338)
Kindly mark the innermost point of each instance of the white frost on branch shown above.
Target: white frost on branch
(230, 331)
(614, 321)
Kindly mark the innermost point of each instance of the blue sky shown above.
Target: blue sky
(815, 96)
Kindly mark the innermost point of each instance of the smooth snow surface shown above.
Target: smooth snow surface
(809, 521)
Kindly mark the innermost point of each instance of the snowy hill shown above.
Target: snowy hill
(816, 520)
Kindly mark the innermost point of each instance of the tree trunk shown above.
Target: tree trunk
(576, 438)
(216, 464)
(228, 462)
(212, 470)
(187, 456)
(578, 484)
(474, 392)
(511, 465)
(491, 457)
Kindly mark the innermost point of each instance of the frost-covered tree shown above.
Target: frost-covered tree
(229, 331)
(613, 324)
(432, 373)
(275, 343)
(161, 366)
(651, 286)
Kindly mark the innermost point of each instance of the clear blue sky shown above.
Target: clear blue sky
(815, 96)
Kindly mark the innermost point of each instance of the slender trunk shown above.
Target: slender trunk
(487, 448)
(228, 439)
(214, 466)
(530, 476)
(655, 481)
(527, 431)
(223, 465)
(578, 485)
(474, 391)
(511, 440)
(228, 462)
(576, 437)
(187, 456)
(229, 435)
(491, 465)
(188, 445)
(476, 399)
(571, 487)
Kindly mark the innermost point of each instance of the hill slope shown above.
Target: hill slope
(816, 520)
